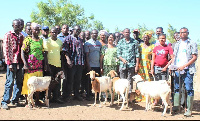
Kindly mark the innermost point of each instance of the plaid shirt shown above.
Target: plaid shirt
(12, 44)
(129, 51)
(74, 48)
(191, 49)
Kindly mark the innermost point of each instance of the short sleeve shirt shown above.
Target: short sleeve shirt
(161, 53)
(94, 49)
(53, 47)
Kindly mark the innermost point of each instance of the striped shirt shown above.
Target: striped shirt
(74, 48)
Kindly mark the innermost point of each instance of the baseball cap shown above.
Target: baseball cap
(45, 28)
(136, 30)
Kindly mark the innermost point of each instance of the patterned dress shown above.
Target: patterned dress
(35, 57)
(110, 61)
(145, 61)
(145, 66)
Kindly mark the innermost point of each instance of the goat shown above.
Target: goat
(45, 83)
(120, 86)
(100, 84)
(156, 90)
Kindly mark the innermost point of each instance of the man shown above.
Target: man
(159, 30)
(21, 27)
(121, 35)
(117, 38)
(52, 49)
(45, 33)
(70, 31)
(12, 52)
(185, 55)
(87, 35)
(73, 47)
(28, 30)
(58, 28)
(64, 33)
(92, 49)
(82, 36)
(136, 34)
(128, 54)
(177, 38)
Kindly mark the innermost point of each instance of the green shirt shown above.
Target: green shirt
(110, 55)
(129, 51)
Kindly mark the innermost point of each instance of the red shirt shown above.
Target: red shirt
(12, 47)
(161, 55)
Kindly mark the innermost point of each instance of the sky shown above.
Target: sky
(119, 13)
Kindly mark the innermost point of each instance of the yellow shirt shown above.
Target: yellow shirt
(53, 48)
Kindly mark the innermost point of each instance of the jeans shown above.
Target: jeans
(187, 78)
(74, 79)
(13, 84)
(128, 73)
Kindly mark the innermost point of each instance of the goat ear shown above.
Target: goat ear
(97, 74)
(88, 73)
(115, 73)
(108, 74)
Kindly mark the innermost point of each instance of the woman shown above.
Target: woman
(103, 37)
(146, 50)
(160, 60)
(108, 59)
(33, 64)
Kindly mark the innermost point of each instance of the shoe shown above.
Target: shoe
(78, 98)
(4, 106)
(59, 101)
(176, 103)
(88, 98)
(190, 99)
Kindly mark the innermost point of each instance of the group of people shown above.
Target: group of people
(77, 52)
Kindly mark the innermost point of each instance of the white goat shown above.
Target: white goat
(156, 90)
(100, 84)
(121, 87)
(42, 84)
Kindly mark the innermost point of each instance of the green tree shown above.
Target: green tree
(198, 43)
(63, 12)
(170, 33)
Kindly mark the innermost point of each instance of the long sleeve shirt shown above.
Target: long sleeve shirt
(12, 44)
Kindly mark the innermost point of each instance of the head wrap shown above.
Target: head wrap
(103, 32)
(148, 33)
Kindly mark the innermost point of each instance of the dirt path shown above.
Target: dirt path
(84, 110)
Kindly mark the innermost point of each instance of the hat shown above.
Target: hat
(136, 30)
(45, 28)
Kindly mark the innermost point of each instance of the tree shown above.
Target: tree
(143, 29)
(63, 12)
(170, 33)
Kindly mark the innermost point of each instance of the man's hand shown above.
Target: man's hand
(69, 63)
(181, 68)
(10, 68)
(136, 69)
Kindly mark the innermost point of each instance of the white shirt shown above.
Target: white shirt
(182, 54)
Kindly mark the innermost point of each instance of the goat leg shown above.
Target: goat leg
(123, 101)
(100, 99)
(47, 98)
(106, 97)
(95, 97)
(126, 95)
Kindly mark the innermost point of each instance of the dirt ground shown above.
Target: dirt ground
(84, 110)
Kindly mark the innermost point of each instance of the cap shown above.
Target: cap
(136, 30)
(45, 27)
